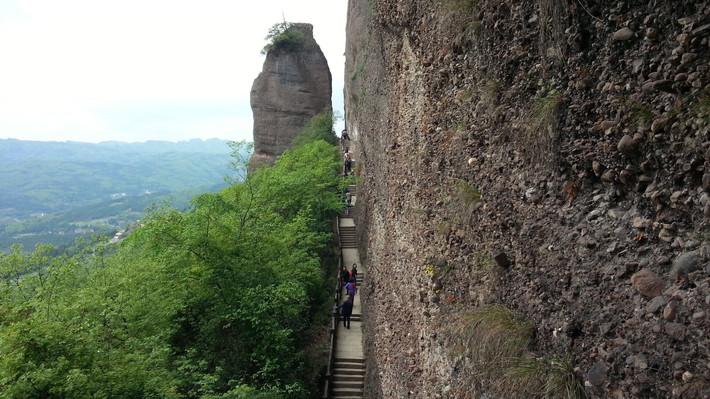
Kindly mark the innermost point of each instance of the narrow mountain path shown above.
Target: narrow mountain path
(349, 366)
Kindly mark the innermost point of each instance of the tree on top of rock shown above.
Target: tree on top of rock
(283, 35)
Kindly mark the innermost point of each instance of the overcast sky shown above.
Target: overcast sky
(136, 70)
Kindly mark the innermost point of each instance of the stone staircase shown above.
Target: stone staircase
(348, 378)
(348, 237)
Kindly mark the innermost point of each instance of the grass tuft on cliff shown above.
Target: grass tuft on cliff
(466, 6)
(495, 341)
(541, 128)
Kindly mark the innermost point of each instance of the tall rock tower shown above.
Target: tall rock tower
(293, 86)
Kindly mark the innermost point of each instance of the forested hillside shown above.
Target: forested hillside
(56, 191)
(218, 301)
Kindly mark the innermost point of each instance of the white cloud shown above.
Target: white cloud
(63, 61)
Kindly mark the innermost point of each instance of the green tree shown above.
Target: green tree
(283, 35)
(320, 127)
(213, 302)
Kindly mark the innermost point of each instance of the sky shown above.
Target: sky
(137, 70)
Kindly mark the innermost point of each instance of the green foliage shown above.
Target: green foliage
(467, 193)
(639, 113)
(283, 35)
(701, 105)
(320, 127)
(214, 302)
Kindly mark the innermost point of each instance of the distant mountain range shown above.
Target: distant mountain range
(54, 191)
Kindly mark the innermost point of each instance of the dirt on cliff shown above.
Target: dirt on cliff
(534, 196)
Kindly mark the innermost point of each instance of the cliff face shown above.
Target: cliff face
(293, 86)
(549, 157)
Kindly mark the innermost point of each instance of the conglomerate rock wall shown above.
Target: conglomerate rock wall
(293, 86)
(552, 157)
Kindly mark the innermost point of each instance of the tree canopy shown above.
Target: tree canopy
(215, 302)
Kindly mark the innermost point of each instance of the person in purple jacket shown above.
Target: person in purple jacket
(351, 287)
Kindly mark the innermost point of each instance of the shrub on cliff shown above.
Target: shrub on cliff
(320, 127)
(283, 35)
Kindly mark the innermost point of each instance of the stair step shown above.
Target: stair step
(348, 384)
(347, 393)
(351, 372)
(345, 377)
(345, 369)
(347, 361)
(348, 366)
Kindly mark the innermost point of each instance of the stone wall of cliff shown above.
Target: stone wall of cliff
(293, 86)
(548, 157)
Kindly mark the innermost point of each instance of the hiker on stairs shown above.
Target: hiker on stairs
(351, 287)
(353, 272)
(346, 310)
(344, 276)
(348, 163)
(344, 140)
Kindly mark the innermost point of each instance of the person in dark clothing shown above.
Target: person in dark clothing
(346, 310)
(348, 163)
(353, 272)
(344, 276)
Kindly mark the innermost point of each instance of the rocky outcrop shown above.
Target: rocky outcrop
(293, 86)
(550, 157)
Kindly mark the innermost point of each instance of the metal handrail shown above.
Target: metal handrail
(334, 320)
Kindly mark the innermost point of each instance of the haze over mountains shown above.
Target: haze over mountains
(54, 191)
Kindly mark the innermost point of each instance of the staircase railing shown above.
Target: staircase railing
(334, 320)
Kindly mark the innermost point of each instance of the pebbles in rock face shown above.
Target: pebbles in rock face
(627, 145)
(648, 283)
(623, 34)
(670, 311)
(676, 331)
(596, 376)
(685, 264)
(655, 304)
